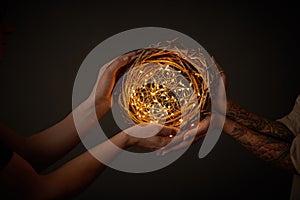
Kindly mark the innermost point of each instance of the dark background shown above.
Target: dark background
(256, 43)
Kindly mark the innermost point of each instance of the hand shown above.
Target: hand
(150, 136)
(184, 140)
(218, 91)
(105, 83)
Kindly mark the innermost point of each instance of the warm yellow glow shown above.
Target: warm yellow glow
(161, 87)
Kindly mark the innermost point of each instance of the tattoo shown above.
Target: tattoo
(264, 126)
(267, 148)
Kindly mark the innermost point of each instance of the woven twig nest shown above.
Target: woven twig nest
(165, 86)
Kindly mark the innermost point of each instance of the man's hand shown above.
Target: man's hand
(221, 71)
(184, 140)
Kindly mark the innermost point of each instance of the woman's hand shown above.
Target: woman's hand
(101, 93)
(150, 136)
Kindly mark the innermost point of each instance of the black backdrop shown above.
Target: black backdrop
(256, 43)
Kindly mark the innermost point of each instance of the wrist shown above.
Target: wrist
(101, 106)
(228, 106)
(129, 140)
(229, 126)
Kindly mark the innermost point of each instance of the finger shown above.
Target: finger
(168, 131)
(185, 143)
(121, 61)
(173, 142)
(163, 141)
(178, 138)
(155, 142)
(131, 53)
(200, 129)
(191, 133)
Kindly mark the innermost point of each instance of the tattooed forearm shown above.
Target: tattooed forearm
(259, 124)
(267, 148)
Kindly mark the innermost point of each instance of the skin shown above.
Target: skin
(21, 177)
(267, 148)
(267, 139)
(262, 125)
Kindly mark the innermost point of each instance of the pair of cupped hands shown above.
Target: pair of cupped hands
(146, 136)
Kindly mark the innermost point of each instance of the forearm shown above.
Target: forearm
(267, 148)
(259, 124)
(47, 146)
(19, 180)
(78, 173)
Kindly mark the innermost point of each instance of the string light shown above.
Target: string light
(162, 86)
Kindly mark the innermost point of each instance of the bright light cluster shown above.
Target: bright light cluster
(162, 86)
